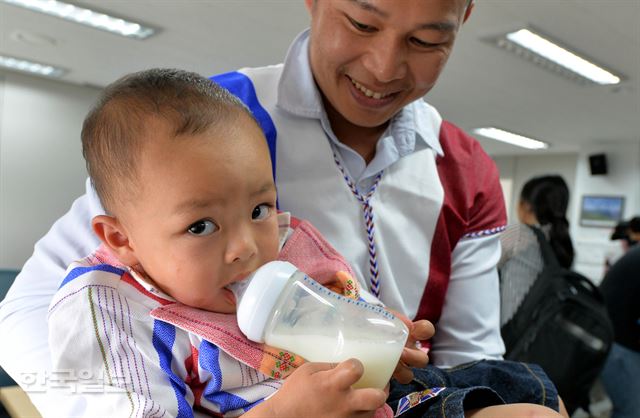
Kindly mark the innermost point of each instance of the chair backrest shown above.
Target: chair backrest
(6, 279)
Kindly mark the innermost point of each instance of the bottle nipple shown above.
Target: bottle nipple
(256, 297)
(239, 288)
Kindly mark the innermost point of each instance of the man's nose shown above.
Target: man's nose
(386, 58)
(241, 245)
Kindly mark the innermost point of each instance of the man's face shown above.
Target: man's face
(205, 213)
(372, 57)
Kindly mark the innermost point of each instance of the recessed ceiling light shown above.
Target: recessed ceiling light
(86, 17)
(18, 64)
(542, 51)
(511, 138)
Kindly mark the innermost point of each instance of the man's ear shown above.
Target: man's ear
(113, 235)
(309, 4)
(467, 12)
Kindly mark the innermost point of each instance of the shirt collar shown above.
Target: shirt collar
(298, 95)
(297, 91)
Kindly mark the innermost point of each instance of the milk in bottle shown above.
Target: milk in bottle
(283, 307)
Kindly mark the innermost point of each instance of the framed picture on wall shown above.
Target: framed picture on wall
(601, 211)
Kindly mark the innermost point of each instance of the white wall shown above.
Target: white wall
(41, 165)
(623, 178)
(592, 245)
(519, 169)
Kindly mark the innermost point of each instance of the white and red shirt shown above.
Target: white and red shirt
(438, 205)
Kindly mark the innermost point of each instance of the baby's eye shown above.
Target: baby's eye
(202, 228)
(261, 211)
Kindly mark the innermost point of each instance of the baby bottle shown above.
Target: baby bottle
(283, 307)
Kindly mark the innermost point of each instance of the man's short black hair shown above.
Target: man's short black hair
(620, 231)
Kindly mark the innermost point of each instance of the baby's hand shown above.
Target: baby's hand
(324, 390)
(412, 354)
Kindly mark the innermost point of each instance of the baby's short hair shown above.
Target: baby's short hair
(112, 131)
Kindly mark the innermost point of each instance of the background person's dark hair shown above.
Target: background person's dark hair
(623, 230)
(548, 197)
(620, 231)
(113, 131)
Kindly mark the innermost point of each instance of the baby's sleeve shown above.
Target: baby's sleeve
(104, 346)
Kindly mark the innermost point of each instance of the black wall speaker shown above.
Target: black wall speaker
(598, 164)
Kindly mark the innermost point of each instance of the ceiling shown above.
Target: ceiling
(482, 85)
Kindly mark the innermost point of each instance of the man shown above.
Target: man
(421, 196)
(628, 233)
(621, 291)
(410, 200)
(634, 230)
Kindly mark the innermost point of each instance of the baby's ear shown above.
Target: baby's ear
(115, 237)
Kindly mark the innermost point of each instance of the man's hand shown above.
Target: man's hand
(413, 355)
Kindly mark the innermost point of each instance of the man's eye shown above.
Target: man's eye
(421, 43)
(361, 26)
(261, 212)
(202, 228)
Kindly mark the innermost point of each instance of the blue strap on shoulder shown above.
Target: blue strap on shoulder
(242, 87)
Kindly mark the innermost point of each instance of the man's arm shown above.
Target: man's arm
(24, 310)
(469, 328)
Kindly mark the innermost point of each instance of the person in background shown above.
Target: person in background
(543, 204)
(357, 152)
(628, 234)
(621, 234)
(634, 230)
(621, 373)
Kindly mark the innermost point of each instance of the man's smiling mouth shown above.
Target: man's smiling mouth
(367, 92)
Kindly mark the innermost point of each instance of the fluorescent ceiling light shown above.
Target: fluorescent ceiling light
(547, 49)
(86, 17)
(31, 67)
(542, 51)
(511, 138)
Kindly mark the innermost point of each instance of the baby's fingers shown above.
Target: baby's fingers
(346, 373)
(367, 399)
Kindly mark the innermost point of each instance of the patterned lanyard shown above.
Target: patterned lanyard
(367, 210)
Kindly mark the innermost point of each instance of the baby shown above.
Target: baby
(183, 172)
(184, 175)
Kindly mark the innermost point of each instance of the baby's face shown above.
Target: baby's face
(205, 216)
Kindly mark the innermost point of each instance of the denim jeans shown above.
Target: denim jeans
(470, 386)
(621, 379)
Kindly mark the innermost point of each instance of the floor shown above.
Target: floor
(600, 404)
